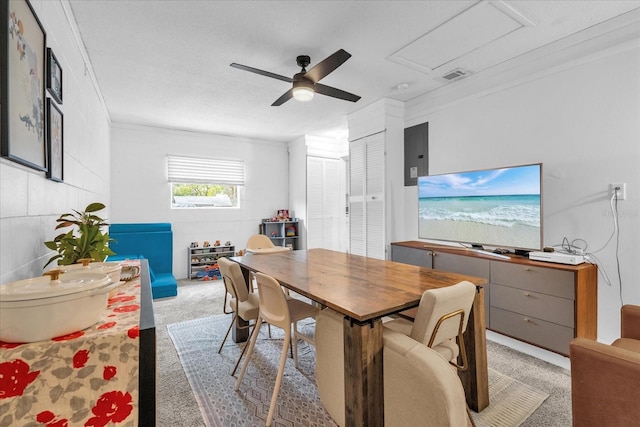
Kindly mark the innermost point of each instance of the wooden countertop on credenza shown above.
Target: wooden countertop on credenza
(516, 259)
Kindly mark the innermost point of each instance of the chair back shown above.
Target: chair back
(273, 303)
(259, 241)
(443, 303)
(420, 388)
(233, 279)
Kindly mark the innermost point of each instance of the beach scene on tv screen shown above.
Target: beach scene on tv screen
(498, 207)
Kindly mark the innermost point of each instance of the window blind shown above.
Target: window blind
(206, 171)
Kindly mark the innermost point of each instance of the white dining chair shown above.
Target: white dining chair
(243, 304)
(276, 309)
(441, 320)
(262, 244)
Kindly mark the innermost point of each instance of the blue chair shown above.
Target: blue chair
(153, 241)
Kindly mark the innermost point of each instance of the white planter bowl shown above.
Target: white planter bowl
(112, 269)
(40, 308)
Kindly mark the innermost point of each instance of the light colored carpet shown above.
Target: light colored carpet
(208, 372)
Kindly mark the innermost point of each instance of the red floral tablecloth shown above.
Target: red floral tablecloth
(87, 378)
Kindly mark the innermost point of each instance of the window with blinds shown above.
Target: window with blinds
(198, 182)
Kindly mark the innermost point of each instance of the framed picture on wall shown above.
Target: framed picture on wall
(55, 151)
(22, 80)
(54, 76)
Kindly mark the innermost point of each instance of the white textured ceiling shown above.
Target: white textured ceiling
(166, 63)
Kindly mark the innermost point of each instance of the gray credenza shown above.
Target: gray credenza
(543, 304)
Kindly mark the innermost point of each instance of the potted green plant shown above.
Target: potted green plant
(91, 241)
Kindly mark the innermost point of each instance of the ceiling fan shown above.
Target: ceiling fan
(305, 83)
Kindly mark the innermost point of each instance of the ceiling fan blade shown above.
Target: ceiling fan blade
(262, 72)
(326, 66)
(336, 93)
(284, 98)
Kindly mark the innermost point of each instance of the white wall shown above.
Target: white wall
(141, 192)
(30, 203)
(583, 124)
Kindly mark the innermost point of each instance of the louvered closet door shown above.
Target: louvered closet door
(356, 197)
(333, 204)
(374, 197)
(325, 199)
(366, 201)
(314, 202)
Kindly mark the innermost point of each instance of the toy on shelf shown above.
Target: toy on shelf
(206, 244)
(194, 244)
(217, 243)
(210, 272)
(290, 231)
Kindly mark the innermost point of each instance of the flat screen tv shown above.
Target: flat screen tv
(500, 208)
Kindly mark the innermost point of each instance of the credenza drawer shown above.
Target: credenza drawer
(543, 280)
(462, 265)
(544, 334)
(411, 256)
(545, 307)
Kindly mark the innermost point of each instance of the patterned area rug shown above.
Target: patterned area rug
(208, 372)
(511, 402)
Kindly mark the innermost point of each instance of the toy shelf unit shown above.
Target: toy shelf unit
(202, 263)
(281, 233)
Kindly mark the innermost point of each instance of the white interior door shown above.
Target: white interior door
(314, 202)
(374, 197)
(325, 195)
(366, 198)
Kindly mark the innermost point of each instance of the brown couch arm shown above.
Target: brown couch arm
(630, 322)
(605, 384)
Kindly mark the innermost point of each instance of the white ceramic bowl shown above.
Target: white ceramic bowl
(112, 269)
(40, 308)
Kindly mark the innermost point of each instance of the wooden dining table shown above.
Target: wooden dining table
(365, 290)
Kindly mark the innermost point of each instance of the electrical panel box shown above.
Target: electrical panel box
(416, 153)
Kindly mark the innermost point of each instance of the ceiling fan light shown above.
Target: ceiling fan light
(303, 93)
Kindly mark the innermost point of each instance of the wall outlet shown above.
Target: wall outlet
(622, 189)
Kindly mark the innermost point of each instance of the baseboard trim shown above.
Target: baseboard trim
(531, 350)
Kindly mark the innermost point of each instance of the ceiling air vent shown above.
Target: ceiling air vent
(456, 74)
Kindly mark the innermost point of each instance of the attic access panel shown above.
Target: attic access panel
(473, 29)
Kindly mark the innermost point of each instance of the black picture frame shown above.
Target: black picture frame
(22, 80)
(54, 76)
(55, 142)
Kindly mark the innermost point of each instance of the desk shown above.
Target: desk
(364, 290)
(103, 374)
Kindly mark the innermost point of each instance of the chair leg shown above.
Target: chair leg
(244, 349)
(297, 335)
(252, 343)
(291, 346)
(276, 388)
(228, 330)
(294, 347)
